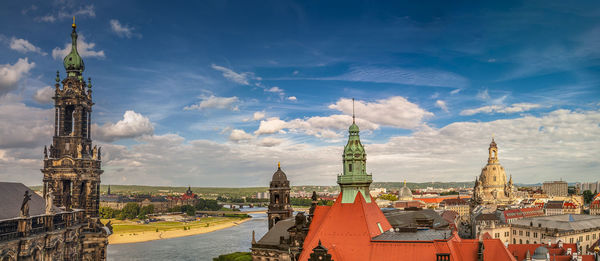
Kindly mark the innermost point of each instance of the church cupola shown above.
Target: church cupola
(279, 193)
(354, 178)
(73, 62)
(493, 157)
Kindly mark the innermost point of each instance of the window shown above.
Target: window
(506, 233)
(527, 234)
(497, 235)
(535, 234)
(514, 232)
(442, 257)
(587, 237)
(350, 167)
(514, 241)
(520, 232)
(520, 241)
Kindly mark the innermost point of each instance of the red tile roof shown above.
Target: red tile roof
(347, 229)
(557, 253)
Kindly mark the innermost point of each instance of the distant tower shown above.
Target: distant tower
(72, 170)
(355, 178)
(279, 191)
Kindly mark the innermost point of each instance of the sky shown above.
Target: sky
(215, 93)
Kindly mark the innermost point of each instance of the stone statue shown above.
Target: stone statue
(79, 148)
(95, 152)
(25, 204)
(99, 153)
(45, 152)
(51, 150)
(87, 149)
(50, 202)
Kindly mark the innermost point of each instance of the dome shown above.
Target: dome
(405, 193)
(493, 175)
(73, 62)
(353, 128)
(540, 253)
(279, 175)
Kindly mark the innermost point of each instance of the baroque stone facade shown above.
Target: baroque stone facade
(279, 193)
(491, 187)
(64, 224)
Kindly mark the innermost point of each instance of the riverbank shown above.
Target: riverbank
(132, 232)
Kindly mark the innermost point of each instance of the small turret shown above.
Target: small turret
(73, 62)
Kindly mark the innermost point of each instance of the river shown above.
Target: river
(197, 247)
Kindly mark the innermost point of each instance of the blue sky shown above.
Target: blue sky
(215, 93)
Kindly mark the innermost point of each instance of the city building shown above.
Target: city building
(63, 224)
(510, 215)
(279, 206)
(559, 207)
(550, 252)
(556, 188)
(595, 207)
(355, 228)
(286, 233)
(594, 187)
(491, 187)
(568, 228)
(458, 205)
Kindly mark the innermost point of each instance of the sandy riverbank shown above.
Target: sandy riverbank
(142, 236)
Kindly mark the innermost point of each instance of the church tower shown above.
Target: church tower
(491, 187)
(279, 193)
(72, 164)
(354, 178)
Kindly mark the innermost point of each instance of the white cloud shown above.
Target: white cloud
(292, 98)
(274, 89)
(84, 49)
(270, 142)
(44, 95)
(259, 115)
(23, 126)
(442, 105)
(10, 75)
(423, 77)
(122, 30)
(238, 135)
(395, 111)
(24, 46)
(214, 102)
(66, 12)
(455, 91)
(517, 107)
(322, 127)
(241, 78)
(132, 125)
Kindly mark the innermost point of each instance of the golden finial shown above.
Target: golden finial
(405, 183)
(278, 165)
(73, 25)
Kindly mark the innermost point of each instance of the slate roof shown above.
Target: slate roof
(276, 232)
(11, 198)
(408, 218)
(567, 222)
(419, 235)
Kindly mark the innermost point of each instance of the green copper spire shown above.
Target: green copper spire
(73, 62)
(355, 178)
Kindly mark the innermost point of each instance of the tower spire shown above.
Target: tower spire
(353, 116)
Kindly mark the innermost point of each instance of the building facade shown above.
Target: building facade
(491, 187)
(556, 188)
(279, 193)
(64, 224)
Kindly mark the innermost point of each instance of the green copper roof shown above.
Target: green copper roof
(73, 62)
(354, 178)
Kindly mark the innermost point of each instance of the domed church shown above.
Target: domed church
(491, 187)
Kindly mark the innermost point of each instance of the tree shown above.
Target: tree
(588, 196)
(107, 212)
(188, 210)
(131, 210)
(390, 197)
(144, 211)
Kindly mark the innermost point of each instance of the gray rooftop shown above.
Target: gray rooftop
(419, 235)
(408, 218)
(11, 198)
(278, 230)
(567, 222)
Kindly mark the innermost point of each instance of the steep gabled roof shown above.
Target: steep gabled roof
(346, 229)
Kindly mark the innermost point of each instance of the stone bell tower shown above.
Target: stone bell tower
(72, 163)
(279, 193)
